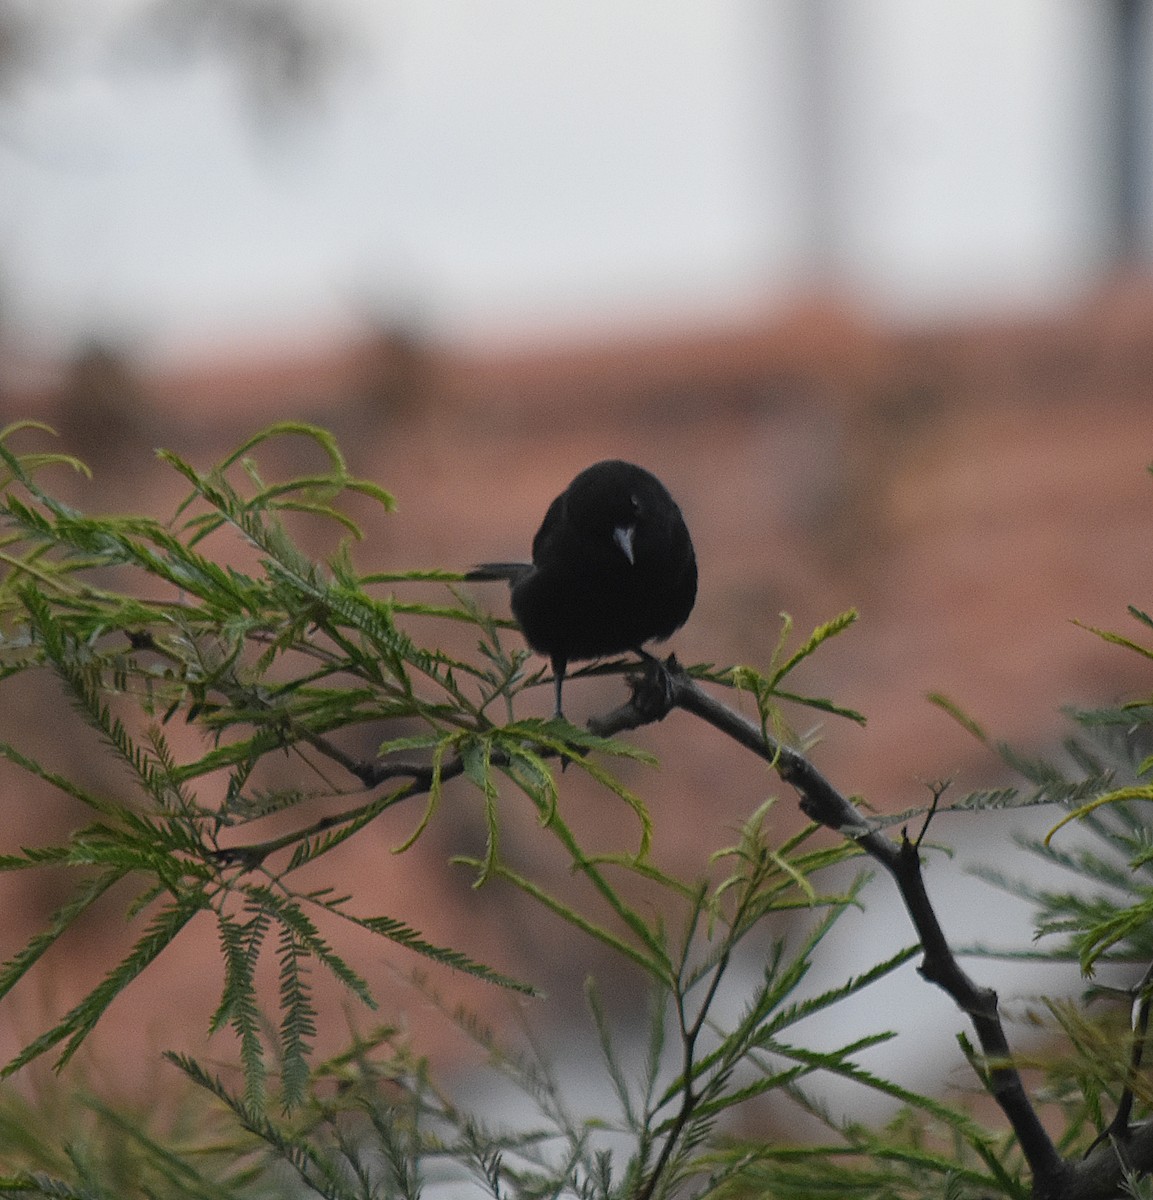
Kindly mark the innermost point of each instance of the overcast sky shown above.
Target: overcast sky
(517, 164)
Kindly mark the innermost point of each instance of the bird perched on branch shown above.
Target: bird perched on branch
(612, 568)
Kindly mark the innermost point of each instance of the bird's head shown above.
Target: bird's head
(610, 502)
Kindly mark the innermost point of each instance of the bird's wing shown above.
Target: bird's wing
(549, 528)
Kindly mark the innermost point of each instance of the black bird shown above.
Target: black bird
(612, 568)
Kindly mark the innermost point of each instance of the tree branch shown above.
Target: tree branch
(662, 686)
(1101, 1175)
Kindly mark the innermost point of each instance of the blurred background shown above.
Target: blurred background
(866, 283)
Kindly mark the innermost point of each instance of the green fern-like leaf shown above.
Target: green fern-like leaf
(298, 1017)
(290, 914)
(241, 945)
(81, 1019)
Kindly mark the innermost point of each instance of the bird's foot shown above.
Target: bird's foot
(654, 691)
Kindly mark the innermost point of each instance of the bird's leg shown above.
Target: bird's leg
(559, 666)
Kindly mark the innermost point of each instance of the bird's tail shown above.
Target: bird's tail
(510, 572)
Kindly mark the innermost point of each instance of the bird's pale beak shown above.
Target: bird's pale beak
(623, 536)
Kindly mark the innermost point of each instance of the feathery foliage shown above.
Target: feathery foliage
(233, 680)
